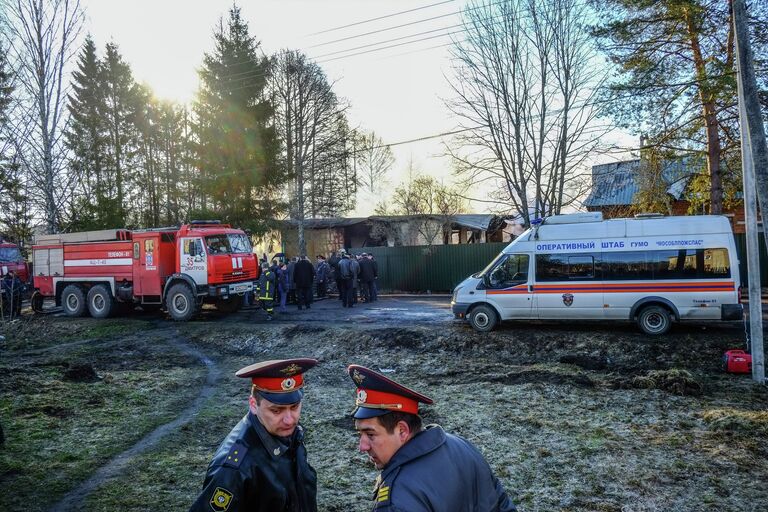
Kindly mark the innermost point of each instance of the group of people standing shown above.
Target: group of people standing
(355, 277)
(291, 281)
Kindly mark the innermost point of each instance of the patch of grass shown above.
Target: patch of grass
(750, 423)
(58, 431)
(676, 381)
(107, 328)
(170, 476)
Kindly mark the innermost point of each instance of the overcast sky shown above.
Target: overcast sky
(397, 92)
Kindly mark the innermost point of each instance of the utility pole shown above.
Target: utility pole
(755, 172)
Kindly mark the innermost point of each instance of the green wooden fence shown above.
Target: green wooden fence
(741, 249)
(436, 269)
(441, 267)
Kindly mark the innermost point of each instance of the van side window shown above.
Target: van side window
(581, 267)
(667, 264)
(565, 267)
(716, 263)
(626, 266)
(511, 271)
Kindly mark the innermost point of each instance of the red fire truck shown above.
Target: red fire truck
(178, 269)
(12, 260)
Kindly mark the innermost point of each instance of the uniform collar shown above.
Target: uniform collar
(272, 444)
(426, 441)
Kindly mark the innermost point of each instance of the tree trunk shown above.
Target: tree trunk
(710, 119)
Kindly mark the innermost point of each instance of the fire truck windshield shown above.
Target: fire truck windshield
(10, 254)
(228, 244)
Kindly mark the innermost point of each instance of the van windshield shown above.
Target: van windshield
(490, 266)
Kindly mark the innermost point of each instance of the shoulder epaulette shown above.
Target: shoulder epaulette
(236, 455)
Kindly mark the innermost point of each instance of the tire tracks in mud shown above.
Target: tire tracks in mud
(74, 499)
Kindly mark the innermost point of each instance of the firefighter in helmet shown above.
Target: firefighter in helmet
(267, 289)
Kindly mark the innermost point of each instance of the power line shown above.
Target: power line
(388, 41)
(380, 17)
(387, 29)
(390, 46)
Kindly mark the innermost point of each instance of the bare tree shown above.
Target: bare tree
(430, 205)
(373, 160)
(41, 37)
(524, 83)
(308, 117)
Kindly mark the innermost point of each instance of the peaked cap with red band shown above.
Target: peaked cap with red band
(377, 395)
(279, 381)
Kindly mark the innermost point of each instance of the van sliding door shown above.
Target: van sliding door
(568, 286)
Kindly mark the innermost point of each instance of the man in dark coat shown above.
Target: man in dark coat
(262, 464)
(333, 262)
(375, 285)
(422, 469)
(10, 295)
(291, 286)
(348, 269)
(323, 272)
(304, 278)
(367, 276)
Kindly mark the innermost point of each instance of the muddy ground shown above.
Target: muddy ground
(125, 413)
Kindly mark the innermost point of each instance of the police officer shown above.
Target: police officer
(422, 469)
(262, 464)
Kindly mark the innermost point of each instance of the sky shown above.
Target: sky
(398, 92)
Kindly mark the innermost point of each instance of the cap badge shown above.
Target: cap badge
(358, 377)
(288, 384)
(362, 396)
(291, 369)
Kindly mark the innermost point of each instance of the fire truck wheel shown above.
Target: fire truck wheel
(100, 301)
(483, 318)
(36, 302)
(73, 300)
(181, 302)
(654, 320)
(229, 305)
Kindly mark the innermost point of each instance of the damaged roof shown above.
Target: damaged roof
(614, 184)
(474, 221)
(482, 222)
(331, 222)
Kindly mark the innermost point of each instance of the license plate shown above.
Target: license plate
(240, 288)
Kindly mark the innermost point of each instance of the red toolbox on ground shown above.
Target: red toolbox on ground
(737, 361)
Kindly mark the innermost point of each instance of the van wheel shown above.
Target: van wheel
(73, 300)
(654, 320)
(483, 318)
(100, 301)
(181, 302)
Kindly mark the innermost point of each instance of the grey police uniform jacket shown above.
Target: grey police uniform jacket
(253, 471)
(439, 472)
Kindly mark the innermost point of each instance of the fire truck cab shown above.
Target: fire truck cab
(11, 259)
(178, 269)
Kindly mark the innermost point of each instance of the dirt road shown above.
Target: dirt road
(570, 416)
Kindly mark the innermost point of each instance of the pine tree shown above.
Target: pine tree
(237, 144)
(86, 138)
(6, 91)
(677, 82)
(120, 93)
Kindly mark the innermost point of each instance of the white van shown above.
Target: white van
(651, 269)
